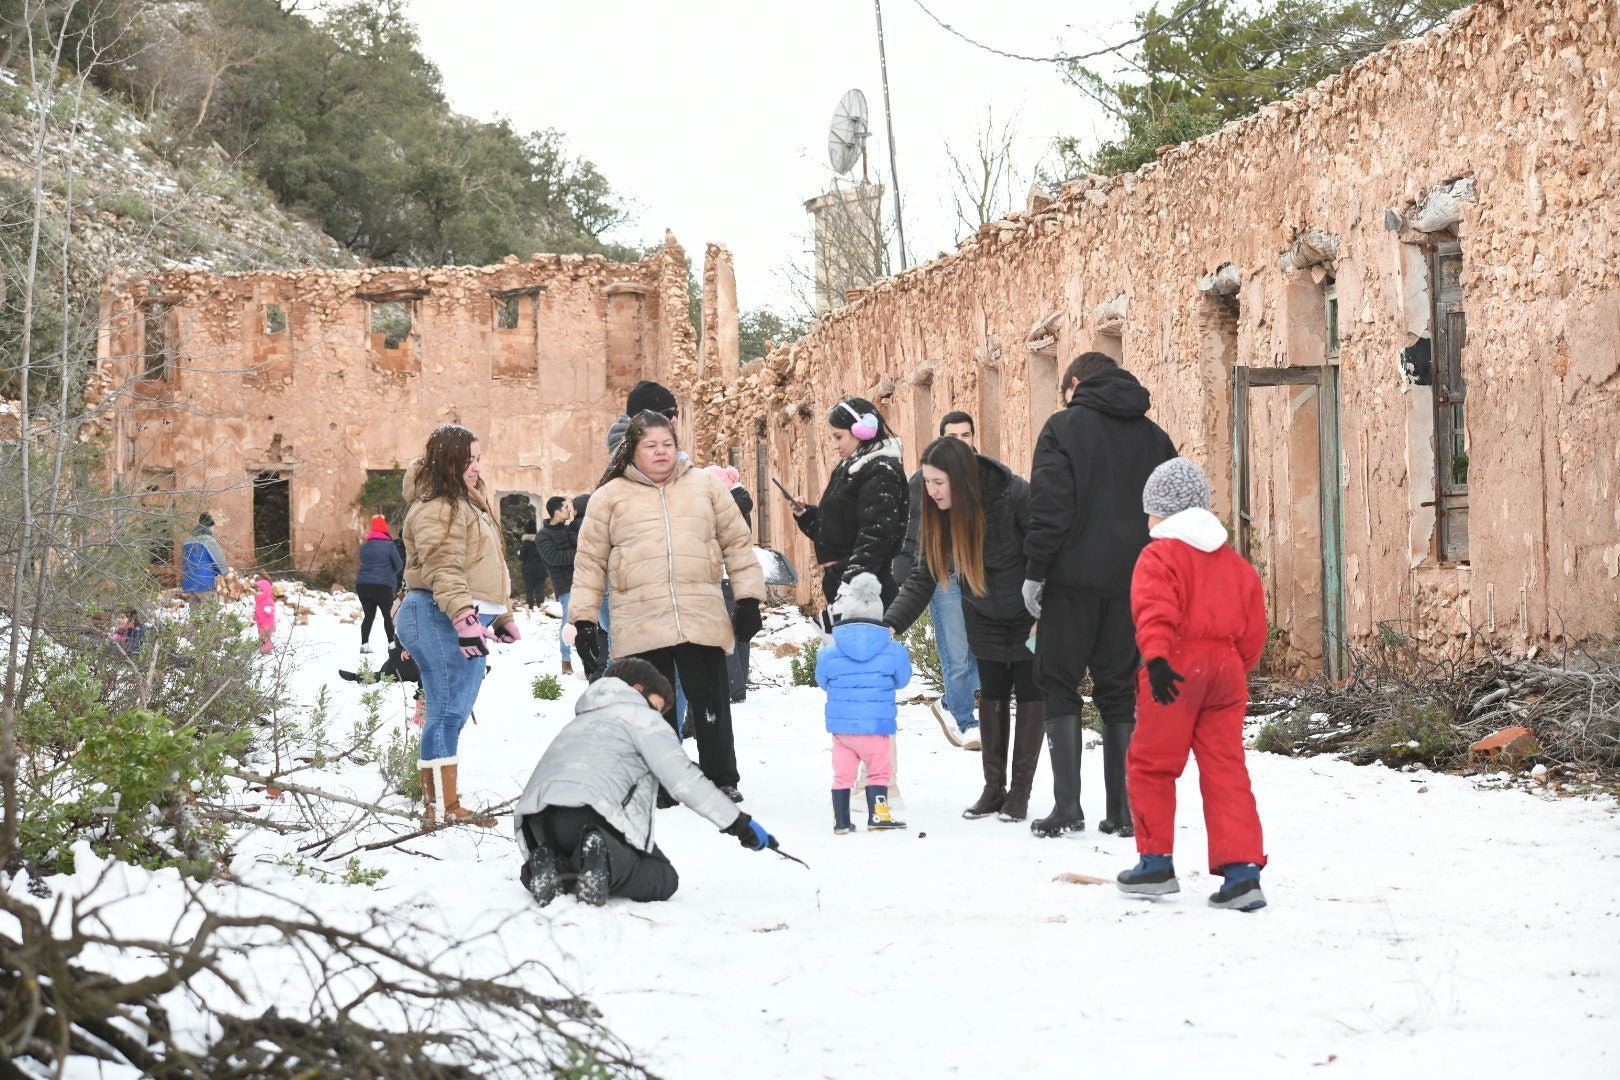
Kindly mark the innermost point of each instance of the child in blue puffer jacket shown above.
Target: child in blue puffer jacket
(860, 669)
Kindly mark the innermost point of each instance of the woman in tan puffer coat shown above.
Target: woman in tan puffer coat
(456, 590)
(657, 533)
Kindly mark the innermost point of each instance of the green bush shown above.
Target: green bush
(546, 688)
(398, 764)
(925, 665)
(803, 667)
(129, 204)
(1280, 734)
(1420, 731)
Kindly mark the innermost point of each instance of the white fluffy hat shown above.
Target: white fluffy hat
(859, 598)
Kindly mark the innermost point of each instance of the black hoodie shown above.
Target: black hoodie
(1086, 525)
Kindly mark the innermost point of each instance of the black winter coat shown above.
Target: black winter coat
(529, 555)
(997, 622)
(745, 504)
(908, 547)
(1086, 525)
(861, 520)
(557, 544)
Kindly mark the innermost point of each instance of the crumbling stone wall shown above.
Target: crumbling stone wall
(286, 374)
(1323, 190)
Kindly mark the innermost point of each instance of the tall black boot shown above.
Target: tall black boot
(993, 734)
(1116, 744)
(1026, 758)
(1063, 744)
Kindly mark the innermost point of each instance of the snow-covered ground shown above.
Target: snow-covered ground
(1418, 922)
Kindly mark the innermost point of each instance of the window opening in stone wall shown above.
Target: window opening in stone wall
(1112, 345)
(508, 311)
(763, 489)
(1450, 388)
(1330, 308)
(275, 319)
(156, 354)
(393, 321)
(384, 493)
(272, 521)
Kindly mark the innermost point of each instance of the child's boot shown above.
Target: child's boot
(1241, 892)
(877, 809)
(1153, 875)
(841, 823)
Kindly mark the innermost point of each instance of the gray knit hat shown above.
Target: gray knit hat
(1175, 486)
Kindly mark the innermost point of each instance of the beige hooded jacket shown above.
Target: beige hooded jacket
(453, 548)
(659, 550)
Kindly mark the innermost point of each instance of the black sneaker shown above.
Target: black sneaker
(1153, 875)
(1108, 825)
(594, 879)
(730, 792)
(1058, 824)
(541, 876)
(1242, 895)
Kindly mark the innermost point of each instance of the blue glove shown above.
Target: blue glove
(750, 833)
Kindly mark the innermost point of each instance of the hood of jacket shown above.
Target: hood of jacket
(994, 479)
(861, 640)
(607, 692)
(1195, 526)
(682, 467)
(1114, 392)
(615, 434)
(202, 530)
(888, 448)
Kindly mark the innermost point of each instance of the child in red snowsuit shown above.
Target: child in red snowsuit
(1200, 615)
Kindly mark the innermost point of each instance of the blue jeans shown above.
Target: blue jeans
(450, 681)
(567, 655)
(607, 628)
(955, 661)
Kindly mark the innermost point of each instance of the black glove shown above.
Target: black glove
(588, 643)
(1163, 678)
(746, 622)
(750, 833)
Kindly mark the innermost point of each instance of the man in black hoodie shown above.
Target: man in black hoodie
(1086, 528)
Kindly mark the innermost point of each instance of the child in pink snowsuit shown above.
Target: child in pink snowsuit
(264, 611)
(860, 669)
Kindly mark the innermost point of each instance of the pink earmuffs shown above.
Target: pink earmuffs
(866, 424)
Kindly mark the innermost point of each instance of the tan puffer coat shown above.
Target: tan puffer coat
(660, 550)
(453, 548)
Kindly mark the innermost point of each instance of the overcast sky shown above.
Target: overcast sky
(711, 116)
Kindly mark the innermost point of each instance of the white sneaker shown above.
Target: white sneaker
(970, 739)
(365, 650)
(947, 722)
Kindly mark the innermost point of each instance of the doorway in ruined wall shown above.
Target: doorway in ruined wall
(1286, 503)
(272, 522)
(518, 516)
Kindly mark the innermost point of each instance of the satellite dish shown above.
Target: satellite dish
(846, 138)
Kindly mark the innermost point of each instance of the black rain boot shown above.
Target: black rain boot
(993, 734)
(842, 826)
(1026, 758)
(541, 876)
(593, 879)
(1116, 744)
(1063, 744)
(878, 817)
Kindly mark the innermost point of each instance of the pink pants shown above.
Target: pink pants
(850, 750)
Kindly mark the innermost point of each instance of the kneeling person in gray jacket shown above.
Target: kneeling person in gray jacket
(585, 821)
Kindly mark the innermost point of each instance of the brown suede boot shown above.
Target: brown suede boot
(993, 734)
(1028, 734)
(429, 815)
(454, 813)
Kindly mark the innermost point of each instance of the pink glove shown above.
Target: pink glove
(470, 634)
(507, 632)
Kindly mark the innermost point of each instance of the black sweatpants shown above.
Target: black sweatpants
(708, 702)
(632, 873)
(1080, 633)
(1000, 680)
(375, 598)
(534, 587)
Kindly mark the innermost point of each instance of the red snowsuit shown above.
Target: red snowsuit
(1198, 604)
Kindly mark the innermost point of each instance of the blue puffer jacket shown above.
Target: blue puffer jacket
(201, 562)
(380, 563)
(860, 670)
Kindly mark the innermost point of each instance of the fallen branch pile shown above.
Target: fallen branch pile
(1400, 706)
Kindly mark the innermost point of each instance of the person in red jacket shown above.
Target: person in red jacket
(1200, 615)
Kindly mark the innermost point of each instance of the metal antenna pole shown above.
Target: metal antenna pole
(888, 119)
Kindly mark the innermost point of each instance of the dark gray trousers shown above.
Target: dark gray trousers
(633, 874)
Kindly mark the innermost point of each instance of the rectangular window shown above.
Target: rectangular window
(393, 321)
(155, 325)
(508, 310)
(1450, 403)
(275, 319)
(762, 484)
(1330, 304)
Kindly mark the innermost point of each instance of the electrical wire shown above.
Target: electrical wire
(1069, 58)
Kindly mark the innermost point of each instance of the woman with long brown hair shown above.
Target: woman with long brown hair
(974, 515)
(656, 534)
(457, 585)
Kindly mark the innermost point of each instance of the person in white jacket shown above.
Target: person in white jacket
(585, 820)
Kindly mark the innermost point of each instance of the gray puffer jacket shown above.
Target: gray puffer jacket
(611, 757)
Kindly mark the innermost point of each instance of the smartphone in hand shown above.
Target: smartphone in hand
(797, 504)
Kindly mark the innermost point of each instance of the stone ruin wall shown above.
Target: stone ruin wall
(1523, 97)
(326, 400)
